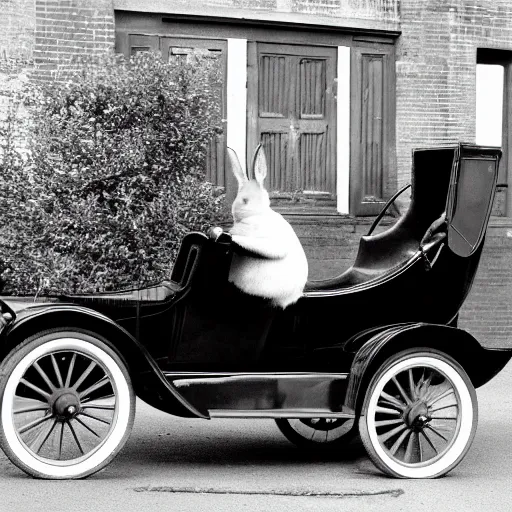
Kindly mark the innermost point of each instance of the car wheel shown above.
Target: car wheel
(419, 415)
(317, 433)
(67, 405)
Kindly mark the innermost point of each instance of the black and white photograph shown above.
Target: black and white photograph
(255, 256)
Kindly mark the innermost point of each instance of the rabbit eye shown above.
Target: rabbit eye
(245, 200)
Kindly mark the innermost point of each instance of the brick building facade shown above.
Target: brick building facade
(416, 59)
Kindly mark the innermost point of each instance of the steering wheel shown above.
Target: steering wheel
(217, 234)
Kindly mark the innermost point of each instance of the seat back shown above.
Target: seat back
(381, 253)
(431, 171)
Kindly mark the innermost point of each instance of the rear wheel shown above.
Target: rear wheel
(67, 405)
(419, 416)
(318, 433)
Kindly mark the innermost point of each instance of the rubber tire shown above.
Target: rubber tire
(469, 407)
(305, 443)
(22, 356)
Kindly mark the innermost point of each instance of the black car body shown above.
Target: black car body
(195, 346)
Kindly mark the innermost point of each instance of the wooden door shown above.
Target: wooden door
(292, 111)
(372, 129)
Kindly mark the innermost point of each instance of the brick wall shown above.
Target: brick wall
(436, 71)
(436, 58)
(488, 311)
(330, 245)
(67, 31)
(17, 25)
(17, 22)
(376, 11)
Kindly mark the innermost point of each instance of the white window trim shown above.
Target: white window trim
(236, 135)
(489, 104)
(343, 130)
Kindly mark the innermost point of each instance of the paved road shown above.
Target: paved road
(180, 465)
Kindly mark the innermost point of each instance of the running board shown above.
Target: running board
(265, 395)
(279, 413)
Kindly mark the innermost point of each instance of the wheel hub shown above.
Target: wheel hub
(66, 404)
(323, 424)
(417, 416)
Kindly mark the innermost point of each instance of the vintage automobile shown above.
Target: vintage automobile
(375, 350)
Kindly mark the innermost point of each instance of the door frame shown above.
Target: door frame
(347, 41)
(255, 49)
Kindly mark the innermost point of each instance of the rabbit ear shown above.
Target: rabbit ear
(259, 165)
(239, 173)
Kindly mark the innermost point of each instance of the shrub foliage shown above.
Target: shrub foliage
(109, 175)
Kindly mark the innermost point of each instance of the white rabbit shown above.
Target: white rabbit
(274, 266)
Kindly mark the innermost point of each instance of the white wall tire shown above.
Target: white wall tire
(67, 405)
(419, 415)
(318, 434)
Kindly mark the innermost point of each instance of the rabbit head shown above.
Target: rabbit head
(252, 198)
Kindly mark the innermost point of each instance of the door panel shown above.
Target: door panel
(312, 88)
(312, 163)
(278, 159)
(372, 129)
(292, 87)
(273, 90)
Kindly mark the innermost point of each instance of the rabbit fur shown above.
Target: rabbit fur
(275, 266)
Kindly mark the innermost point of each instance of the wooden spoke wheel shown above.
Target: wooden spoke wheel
(317, 433)
(67, 405)
(419, 415)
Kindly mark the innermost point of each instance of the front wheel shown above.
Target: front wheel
(67, 405)
(419, 415)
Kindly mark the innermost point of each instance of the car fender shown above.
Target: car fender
(480, 363)
(149, 382)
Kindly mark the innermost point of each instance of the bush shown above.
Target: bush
(110, 178)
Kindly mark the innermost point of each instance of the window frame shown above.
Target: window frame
(372, 42)
(503, 58)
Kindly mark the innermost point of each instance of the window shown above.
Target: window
(493, 117)
(489, 104)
